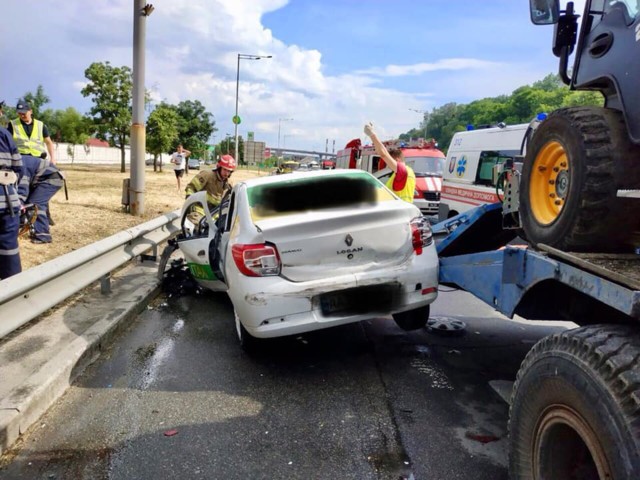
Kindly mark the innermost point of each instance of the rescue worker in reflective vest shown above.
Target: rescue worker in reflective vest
(41, 180)
(403, 179)
(31, 135)
(215, 182)
(10, 176)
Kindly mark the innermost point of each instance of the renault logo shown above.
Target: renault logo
(348, 240)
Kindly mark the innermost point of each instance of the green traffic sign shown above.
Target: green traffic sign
(236, 120)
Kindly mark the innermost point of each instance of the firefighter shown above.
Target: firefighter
(215, 182)
(40, 182)
(10, 176)
(403, 179)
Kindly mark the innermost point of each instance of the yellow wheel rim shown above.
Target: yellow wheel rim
(549, 183)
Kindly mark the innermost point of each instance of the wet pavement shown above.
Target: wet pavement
(175, 397)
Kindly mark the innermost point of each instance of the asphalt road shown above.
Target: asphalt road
(175, 397)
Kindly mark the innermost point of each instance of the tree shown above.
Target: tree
(36, 100)
(549, 83)
(521, 106)
(68, 125)
(162, 131)
(195, 127)
(110, 89)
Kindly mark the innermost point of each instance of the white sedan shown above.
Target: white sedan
(313, 250)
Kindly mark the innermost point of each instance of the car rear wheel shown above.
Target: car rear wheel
(171, 247)
(249, 343)
(412, 319)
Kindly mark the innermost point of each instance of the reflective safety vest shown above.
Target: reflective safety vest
(33, 145)
(406, 193)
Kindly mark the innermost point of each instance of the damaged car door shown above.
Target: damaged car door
(200, 240)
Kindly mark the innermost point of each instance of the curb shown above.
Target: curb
(39, 391)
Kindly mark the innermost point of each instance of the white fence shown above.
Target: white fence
(68, 153)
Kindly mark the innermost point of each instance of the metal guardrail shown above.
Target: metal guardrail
(25, 296)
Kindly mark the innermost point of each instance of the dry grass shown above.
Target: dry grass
(94, 210)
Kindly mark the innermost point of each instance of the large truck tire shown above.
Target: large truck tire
(575, 407)
(575, 164)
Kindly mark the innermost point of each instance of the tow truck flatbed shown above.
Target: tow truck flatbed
(541, 283)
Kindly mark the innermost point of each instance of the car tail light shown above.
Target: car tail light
(421, 234)
(257, 259)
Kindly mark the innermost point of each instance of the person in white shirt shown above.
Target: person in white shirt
(179, 160)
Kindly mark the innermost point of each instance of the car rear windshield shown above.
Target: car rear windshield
(316, 193)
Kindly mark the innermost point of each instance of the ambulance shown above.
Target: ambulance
(421, 155)
(473, 164)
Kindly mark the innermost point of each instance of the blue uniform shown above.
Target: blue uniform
(40, 181)
(10, 162)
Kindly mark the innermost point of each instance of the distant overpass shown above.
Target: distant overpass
(280, 152)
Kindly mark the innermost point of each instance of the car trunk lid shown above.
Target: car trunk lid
(320, 244)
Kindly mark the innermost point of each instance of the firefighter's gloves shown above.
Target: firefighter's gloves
(368, 130)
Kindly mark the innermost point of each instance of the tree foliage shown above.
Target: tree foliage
(521, 106)
(110, 89)
(195, 127)
(37, 100)
(68, 126)
(162, 131)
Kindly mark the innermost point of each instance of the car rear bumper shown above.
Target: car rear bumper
(274, 307)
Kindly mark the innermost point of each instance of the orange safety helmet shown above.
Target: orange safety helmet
(228, 162)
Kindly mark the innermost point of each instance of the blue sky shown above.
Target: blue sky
(336, 63)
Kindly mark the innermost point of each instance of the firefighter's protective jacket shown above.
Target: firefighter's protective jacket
(212, 183)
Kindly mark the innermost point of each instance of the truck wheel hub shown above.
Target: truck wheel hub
(562, 184)
(549, 183)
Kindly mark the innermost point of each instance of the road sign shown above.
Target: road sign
(236, 120)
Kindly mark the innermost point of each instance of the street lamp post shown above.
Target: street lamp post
(236, 119)
(425, 119)
(282, 120)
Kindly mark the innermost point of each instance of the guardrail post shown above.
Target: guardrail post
(105, 284)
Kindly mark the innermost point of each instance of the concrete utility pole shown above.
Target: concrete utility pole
(138, 141)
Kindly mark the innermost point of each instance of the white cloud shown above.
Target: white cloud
(191, 54)
(440, 65)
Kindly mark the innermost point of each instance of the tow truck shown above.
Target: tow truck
(575, 404)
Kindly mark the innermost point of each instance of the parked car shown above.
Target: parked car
(308, 251)
(149, 161)
(193, 164)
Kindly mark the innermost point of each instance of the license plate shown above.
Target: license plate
(333, 303)
(359, 300)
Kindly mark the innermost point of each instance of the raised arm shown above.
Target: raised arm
(381, 150)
